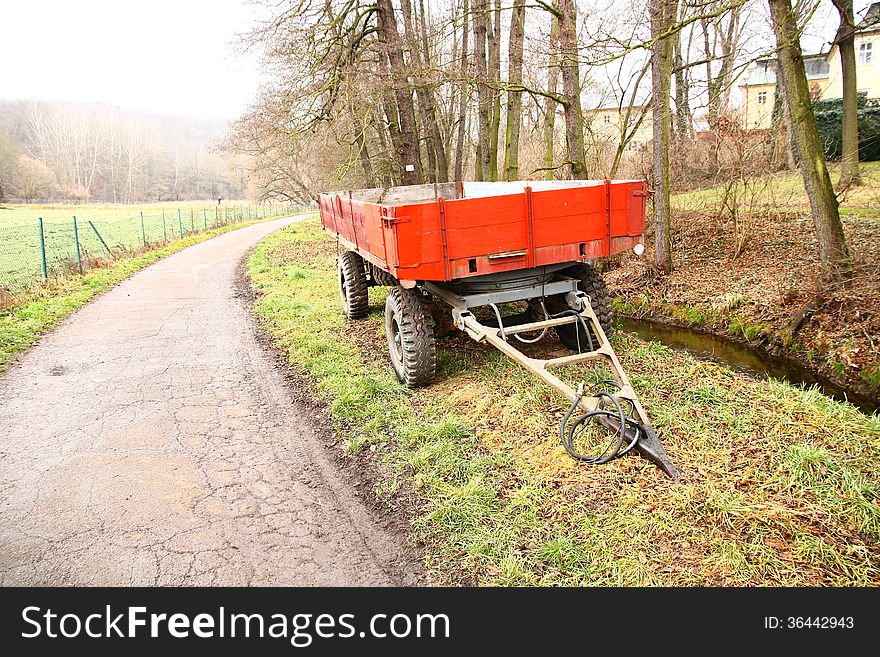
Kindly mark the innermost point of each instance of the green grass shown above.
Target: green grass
(118, 225)
(782, 484)
(27, 214)
(786, 191)
(40, 309)
(871, 376)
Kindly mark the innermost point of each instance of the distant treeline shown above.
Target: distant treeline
(76, 152)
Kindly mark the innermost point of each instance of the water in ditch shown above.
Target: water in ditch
(742, 359)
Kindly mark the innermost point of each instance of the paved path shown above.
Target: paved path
(149, 440)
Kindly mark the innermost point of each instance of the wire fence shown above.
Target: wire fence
(32, 253)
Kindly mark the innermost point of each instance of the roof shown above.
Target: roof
(615, 107)
(871, 21)
(764, 71)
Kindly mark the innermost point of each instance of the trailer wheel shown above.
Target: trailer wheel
(591, 284)
(353, 289)
(410, 332)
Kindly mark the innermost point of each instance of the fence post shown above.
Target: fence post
(79, 262)
(143, 232)
(180, 223)
(101, 239)
(205, 217)
(192, 220)
(164, 230)
(43, 252)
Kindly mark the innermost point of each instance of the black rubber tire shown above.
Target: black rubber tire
(591, 284)
(353, 288)
(409, 329)
(381, 277)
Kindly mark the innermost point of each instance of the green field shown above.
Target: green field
(119, 226)
(37, 310)
(785, 191)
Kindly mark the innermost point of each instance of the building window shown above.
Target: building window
(762, 97)
(607, 118)
(865, 54)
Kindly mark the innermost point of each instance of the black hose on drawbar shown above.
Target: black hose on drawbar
(580, 324)
(617, 446)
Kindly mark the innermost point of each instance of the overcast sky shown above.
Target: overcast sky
(169, 56)
(166, 56)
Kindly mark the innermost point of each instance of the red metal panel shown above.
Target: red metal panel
(418, 234)
(525, 229)
(483, 226)
(485, 211)
(636, 208)
(619, 197)
(564, 216)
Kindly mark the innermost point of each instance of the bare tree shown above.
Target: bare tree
(514, 94)
(481, 28)
(494, 62)
(408, 158)
(722, 28)
(662, 21)
(845, 42)
(571, 88)
(833, 250)
(683, 117)
(464, 95)
(31, 179)
(550, 101)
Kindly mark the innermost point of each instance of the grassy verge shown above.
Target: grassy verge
(782, 485)
(785, 190)
(37, 311)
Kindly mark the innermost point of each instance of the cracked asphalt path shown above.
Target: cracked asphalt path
(149, 440)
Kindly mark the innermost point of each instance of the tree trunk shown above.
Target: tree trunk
(417, 38)
(571, 89)
(662, 18)
(549, 102)
(833, 251)
(407, 156)
(440, 152)
(364, 157)
(711, 106)
(514, 98)
(845, 40)
(481, 24)
(382, 134)
(494, 80)
(460, 161)
(425, 104)
(390, 108)
(782, 120)
(682, 101)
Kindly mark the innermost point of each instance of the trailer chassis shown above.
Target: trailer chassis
(637, 432)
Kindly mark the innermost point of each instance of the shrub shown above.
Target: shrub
(829, 120)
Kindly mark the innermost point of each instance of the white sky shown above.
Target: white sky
(176, 57)
(179, 57)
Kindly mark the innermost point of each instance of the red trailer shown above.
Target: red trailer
(477, 244)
